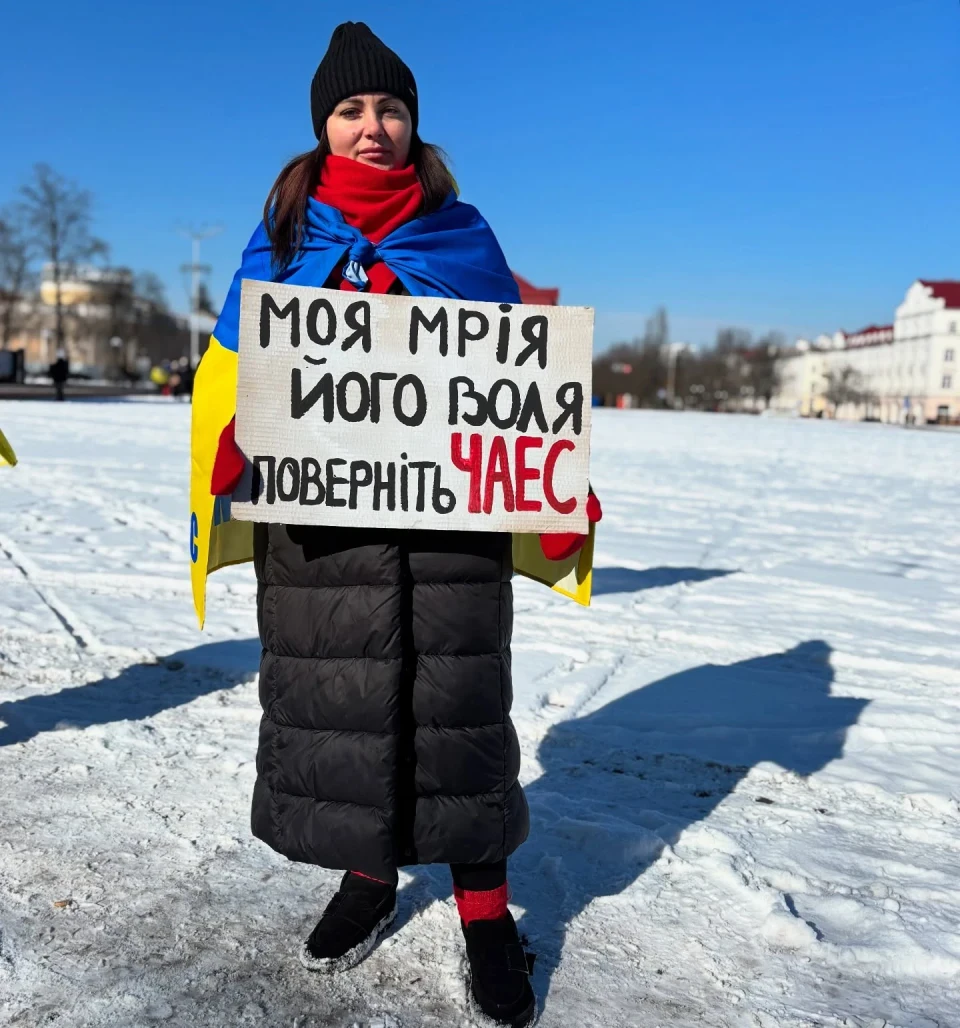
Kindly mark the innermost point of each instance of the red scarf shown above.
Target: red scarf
(373, 201)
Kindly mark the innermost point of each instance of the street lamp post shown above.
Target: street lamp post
(116, 343)
(196, 269)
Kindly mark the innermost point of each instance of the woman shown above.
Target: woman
(385, 679)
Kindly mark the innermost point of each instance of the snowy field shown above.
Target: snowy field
(743, 762)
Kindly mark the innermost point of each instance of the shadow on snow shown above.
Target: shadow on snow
(620, 784)
(632, 580)
(623, 782)
(138, 692)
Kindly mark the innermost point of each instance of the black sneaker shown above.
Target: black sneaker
(359, 913)
(500, 970)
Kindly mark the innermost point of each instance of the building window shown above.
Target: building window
(947, 382)
(948, 355)
(953, 328)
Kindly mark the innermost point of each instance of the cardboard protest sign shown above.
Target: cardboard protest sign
(412, 412)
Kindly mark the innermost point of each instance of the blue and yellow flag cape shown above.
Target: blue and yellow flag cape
(7, 456)
(450, 253)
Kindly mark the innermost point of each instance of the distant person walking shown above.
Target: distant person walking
(60, 372)
(182, 379)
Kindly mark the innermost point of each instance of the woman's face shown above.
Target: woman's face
(373, 128)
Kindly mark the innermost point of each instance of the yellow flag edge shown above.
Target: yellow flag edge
(215, 541)
(572, 578)
(7, 456)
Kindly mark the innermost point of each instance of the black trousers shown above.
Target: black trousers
(479, 877)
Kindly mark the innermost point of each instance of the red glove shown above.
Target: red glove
(229, 463)
(561, 545)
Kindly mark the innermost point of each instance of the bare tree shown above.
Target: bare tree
(637, 368)
(845, 385)
(119, 318)
(763, 371)
(16, 275)
(205, 304)
(657, 332)
(718, 378)
(58, 213)
(733, 340)
(148, 286)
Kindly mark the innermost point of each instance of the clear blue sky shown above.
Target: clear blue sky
(750, 162)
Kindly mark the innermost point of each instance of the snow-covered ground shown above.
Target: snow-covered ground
(742, 762)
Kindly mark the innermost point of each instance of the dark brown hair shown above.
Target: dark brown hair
(285, 212)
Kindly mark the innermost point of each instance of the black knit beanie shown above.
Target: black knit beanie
(358, 62)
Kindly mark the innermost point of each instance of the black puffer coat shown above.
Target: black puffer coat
(385, 684)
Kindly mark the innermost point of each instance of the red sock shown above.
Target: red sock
(481, 906)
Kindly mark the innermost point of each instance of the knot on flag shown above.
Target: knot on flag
(361, 254)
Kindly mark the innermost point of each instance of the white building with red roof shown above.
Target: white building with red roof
(907, 372)
(927, 346)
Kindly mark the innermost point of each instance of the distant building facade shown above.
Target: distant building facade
(907, 371)
(109, 331)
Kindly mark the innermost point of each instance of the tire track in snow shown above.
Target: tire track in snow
(112, 505)
(81, 634)
(135, 583)
(595, 688)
